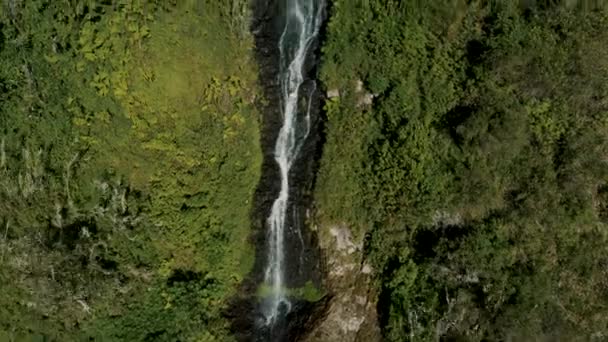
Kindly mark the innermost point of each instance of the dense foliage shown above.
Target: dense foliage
(468, 145)
(473, 158)
(128, 156)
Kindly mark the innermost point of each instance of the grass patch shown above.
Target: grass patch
(309, 292)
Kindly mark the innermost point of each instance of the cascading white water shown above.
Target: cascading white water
(302, 22)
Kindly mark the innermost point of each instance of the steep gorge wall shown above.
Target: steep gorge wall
(301, 244)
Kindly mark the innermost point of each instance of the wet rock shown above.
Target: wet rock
(301, 247)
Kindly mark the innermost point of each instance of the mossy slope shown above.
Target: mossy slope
(129, 159)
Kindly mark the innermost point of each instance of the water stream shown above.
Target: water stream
(302, 23)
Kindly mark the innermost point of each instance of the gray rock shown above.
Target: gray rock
(351, 311)
(333, 93)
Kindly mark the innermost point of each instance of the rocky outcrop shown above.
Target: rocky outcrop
(348, 310)
(350, 313)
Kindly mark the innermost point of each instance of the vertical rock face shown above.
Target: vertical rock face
(301, 247)
(350, 314)
(302, 23)
(301, 244)
(348, 310)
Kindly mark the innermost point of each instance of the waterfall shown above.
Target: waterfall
(302, 22)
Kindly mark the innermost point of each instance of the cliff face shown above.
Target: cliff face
(350, 312)
(327, 256)
(301, 243)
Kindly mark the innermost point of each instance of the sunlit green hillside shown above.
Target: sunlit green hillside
(473, 157)
(129, 157)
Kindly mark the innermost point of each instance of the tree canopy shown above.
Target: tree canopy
(478, 172)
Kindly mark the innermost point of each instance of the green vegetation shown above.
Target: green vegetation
(478, 173)
(309, 292)
(128, 158)
(468, 146)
